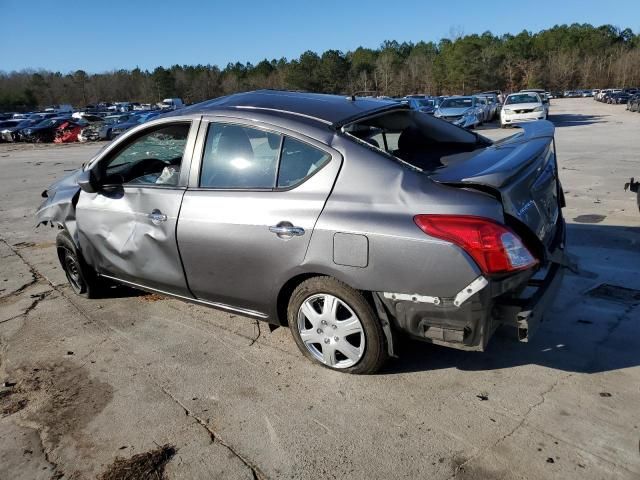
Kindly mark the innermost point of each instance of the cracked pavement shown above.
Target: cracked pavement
(92, 380)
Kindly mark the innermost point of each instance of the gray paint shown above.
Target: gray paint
(357, 213)
(350, 250)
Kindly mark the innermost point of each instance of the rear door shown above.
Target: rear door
(248, 215)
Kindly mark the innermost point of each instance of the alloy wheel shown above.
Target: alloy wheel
(331, 331)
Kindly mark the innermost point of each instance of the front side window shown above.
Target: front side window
(153, 158)
(298, 162)
(239, 157)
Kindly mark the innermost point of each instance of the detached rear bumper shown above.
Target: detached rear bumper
(525, 314)
(519, 301)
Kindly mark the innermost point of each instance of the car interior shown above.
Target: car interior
(154, 158)
(418, 139)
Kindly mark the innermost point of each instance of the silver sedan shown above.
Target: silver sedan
(346, 219)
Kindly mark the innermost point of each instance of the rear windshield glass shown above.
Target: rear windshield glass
(417, 139)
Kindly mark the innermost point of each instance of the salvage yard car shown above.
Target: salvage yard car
(465, 112)
(9, 128)
(522, 107)
(347, 219)
(45, 131)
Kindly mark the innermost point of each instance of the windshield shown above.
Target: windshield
(463, 102)
(522, 98)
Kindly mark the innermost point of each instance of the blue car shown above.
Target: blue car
(421, 103)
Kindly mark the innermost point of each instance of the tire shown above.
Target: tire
(82, 279)
(349, 338)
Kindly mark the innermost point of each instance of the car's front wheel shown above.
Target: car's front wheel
(335, 325)
(81, 277)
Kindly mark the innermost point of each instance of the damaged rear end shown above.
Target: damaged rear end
(520, 259)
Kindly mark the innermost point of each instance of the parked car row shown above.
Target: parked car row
(615, 96)
(65, 128)
(578, 93)
(63, 124)
(467, 111)
(471, 111)
(633, 104)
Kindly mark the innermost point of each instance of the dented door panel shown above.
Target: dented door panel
(120, 238)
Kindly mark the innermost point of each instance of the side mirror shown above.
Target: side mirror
(87, 182)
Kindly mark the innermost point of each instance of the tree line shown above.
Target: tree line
(560, 58)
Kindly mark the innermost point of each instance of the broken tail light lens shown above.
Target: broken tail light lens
(494, 247)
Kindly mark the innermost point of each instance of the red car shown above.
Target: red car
(67, 133)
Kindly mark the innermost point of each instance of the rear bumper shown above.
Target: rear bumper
(519, 301)
(525, 314)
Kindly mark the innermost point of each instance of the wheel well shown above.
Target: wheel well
(61, 248)
(288, 288)
(286, 291)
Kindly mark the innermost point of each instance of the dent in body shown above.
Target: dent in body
(59, 206)
(119, 239)
(377, 197)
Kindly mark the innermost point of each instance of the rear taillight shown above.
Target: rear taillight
(494, 247)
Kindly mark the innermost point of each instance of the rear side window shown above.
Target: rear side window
(239, 157)
(298, 162)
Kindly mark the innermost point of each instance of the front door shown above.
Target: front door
(246, 223)
(127, 229)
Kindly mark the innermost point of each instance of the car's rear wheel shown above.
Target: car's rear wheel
(335, 326)
(81, 277)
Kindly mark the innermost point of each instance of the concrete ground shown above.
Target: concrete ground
(90, 381)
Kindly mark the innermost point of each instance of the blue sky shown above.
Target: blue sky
(102, 35)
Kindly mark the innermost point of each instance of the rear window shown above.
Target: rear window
(419, 140)
(298, 162)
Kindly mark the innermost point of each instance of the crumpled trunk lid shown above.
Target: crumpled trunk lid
(522, 170)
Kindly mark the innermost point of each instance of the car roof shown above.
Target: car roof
(333, 110)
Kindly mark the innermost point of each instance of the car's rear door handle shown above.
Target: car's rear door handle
(286, 230)
(157, 217)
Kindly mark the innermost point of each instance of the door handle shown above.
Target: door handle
(157, 217)
(286, 230)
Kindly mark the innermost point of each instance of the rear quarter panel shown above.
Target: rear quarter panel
(377, 197)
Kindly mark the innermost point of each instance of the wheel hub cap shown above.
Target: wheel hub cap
(331, 331)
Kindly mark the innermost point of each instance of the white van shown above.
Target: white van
(172, 103)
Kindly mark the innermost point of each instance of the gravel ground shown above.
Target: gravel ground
(94, 385)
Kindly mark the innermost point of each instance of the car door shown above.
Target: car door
(248, 215)
(127, 229)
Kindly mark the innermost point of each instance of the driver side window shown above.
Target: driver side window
(153, 158)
